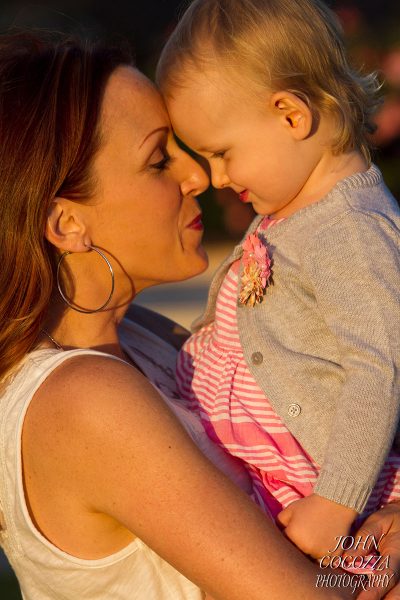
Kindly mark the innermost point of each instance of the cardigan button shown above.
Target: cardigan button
(294, 410)
(257, 358)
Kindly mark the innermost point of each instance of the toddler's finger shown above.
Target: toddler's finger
(283, 518)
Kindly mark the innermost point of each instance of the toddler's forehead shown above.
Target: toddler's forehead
(215, 90)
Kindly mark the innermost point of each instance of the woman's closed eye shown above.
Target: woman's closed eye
(164, 162)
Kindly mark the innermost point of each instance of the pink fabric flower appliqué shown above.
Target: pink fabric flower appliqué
(256, 271)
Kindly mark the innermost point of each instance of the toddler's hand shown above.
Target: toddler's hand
(314, 524)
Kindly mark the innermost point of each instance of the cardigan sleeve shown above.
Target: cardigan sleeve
(353, 266)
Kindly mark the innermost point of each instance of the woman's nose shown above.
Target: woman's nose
(196, 181)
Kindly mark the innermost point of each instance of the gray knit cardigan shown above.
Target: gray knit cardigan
(324, 344)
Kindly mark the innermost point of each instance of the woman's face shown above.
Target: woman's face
(144, 213)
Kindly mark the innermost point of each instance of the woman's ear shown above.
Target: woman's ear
(295, 114)
(65, 227)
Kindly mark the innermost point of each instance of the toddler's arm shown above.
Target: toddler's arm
(353, 268)
(314, 524)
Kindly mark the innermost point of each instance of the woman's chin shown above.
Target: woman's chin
(196, 262)
(201, 251)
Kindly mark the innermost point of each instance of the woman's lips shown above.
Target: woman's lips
(196, 223)
(244, 196)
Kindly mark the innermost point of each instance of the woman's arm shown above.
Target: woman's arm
(132, 460)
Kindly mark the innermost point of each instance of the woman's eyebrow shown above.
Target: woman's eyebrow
(165, 129)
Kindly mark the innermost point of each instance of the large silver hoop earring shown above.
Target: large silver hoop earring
(63, 296)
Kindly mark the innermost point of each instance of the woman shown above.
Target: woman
(99, 479)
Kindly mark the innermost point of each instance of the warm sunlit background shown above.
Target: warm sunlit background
(372, 31)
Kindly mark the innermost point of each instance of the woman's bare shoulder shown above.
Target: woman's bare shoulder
(88, 384)
(85, 403)
(83, 419)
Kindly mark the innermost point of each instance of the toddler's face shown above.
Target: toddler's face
(248, 142)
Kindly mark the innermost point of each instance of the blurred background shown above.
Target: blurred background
(372, 30)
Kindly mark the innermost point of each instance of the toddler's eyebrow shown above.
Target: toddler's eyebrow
(208, 150)
(204, 149)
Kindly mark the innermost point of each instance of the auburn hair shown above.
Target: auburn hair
(51, 90)
(296, 45)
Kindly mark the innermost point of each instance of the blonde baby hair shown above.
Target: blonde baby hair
(294, 45)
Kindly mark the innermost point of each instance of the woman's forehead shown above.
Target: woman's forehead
(132, 99)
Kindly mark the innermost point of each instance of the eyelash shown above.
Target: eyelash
(220, 154)
(163, 164)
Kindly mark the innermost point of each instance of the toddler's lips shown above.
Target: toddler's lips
(244, 196)
(196, 224)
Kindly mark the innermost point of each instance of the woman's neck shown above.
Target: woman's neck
(71, 329)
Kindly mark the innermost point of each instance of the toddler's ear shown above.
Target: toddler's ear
(295, 114)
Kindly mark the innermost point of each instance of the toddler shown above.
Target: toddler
(294, 367)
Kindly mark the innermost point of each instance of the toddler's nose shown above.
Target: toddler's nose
(219, 179)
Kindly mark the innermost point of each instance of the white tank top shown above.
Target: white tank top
(44, 571)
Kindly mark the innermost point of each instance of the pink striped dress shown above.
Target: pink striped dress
(215, 382)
